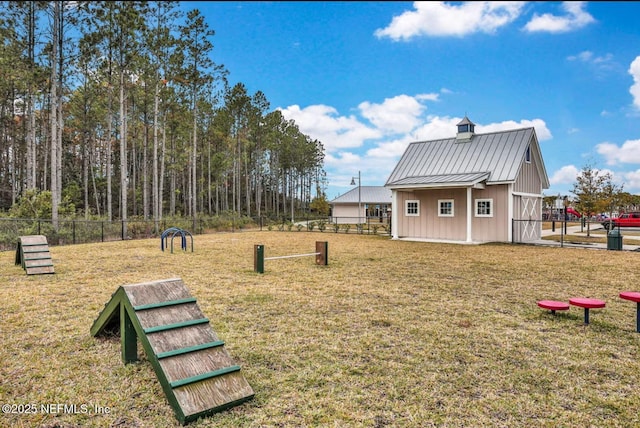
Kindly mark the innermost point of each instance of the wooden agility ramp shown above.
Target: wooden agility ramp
(197, 374)
(34, 255)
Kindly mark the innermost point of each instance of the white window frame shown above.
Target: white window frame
(406, 207)
(527, 154)
(444, 201)
(477, 205)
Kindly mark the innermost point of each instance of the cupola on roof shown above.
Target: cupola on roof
(466, 129)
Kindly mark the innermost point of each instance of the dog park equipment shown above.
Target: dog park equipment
(197, 374)
(34, 255)
(587, 304)
(634, 296)
(553, 305)
(322, 256)
(175, 231)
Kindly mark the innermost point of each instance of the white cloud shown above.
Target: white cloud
(565, 175)
(436, 127)
(352, 145)
(634, 71)
(432, 96)
(588, 57)
(324, 124)
(632, 181)
(390, 149)
(574, 19)
(396, 115)
(629, 152)
(542, 132)
(583, 56)
(444, 19)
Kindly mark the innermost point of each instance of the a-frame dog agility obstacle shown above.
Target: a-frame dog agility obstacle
(197, 374)
(34, 255)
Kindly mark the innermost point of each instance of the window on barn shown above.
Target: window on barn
(445, 208)
(527, 155)
(412, 208)
(484, 207)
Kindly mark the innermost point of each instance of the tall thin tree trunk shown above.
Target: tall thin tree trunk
(30, 110)
(54, 114)
(60, 116)
(194, 156)
(163, 155)
(93, 178)
(172, 182)
(154, 179)
(123, 158)
(145, 166)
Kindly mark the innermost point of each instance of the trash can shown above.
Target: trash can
(614, 240)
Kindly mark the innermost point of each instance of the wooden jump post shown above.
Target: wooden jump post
(322, 255)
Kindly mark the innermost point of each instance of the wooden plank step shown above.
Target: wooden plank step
(169, 340)
(189, 349)
(39, 269)
(213, 395)
(33, 240)
(35, 249)
(38, 255)
(164, 304)
(174, 326)
(37, 263)
(204, 376)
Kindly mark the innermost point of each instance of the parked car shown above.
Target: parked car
(631, 219)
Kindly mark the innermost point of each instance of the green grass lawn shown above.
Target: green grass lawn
(390, 333)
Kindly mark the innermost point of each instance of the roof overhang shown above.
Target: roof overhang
(475, 180)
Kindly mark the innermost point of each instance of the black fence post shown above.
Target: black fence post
(513, 230)
(73, 231)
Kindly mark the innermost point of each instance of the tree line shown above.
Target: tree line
(118, 109)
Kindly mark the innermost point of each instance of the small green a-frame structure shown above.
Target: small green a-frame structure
(34, 255)
(197, 374)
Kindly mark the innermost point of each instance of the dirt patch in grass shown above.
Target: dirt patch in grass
(390, 333)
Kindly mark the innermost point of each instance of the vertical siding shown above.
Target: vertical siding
(528, 180)
(429, 226)
(496, 228)
(346, 213)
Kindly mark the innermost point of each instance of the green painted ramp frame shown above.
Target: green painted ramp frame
(165, 307)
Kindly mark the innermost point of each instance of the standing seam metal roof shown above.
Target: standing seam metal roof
(368, 195)
(499, 154)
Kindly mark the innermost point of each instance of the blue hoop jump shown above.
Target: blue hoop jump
(173, 231)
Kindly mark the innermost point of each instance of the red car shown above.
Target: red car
(631, 219)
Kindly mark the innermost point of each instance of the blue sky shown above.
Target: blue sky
(368, 78)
